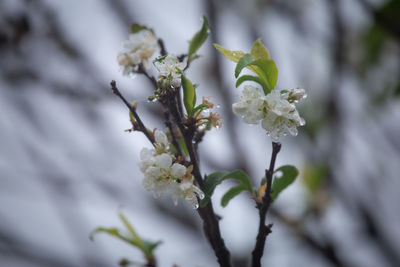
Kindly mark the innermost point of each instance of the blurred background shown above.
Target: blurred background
(66, 164)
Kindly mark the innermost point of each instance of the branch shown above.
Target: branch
(387, 23)
(324, 246)
(207, 214)
(141, 70)
(174, 140)
(140, 126)
(264, 230)
(163, 51)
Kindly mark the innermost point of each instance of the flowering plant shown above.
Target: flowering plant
(172, 166)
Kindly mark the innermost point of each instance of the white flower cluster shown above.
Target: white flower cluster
(138, 49)
(276, 111)
(167, 67)
(161, 174)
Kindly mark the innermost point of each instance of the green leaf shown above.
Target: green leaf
(216, 178)
(243, 62)
(289, 174)
(135, 28)
(213, 179)
(128, 226)
(235, 56)
(266, 70)
(149, 246)
(183, 146)
(231, 193)
(160, 59)
(256, 79)
(200, 108)
(241, 177)
(111, 231)
(198, 39)
(259, 51)
(189, 95)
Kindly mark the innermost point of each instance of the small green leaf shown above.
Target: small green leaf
(216, 178)
(135, 28)
(267, 71)
(133, 238)
(243, 62)
(213, 179)
(199, 109)
(235, 56)
(259, 51)
(189, 95)
(128, 226)
(149, 246)
(183, 146)
(198, 39)
(231, 193)
(241, 177)
(110, 231)
(256, 79)
(160, 59)
(289, 174)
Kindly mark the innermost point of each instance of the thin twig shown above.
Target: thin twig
(174, 140)
(140, 126)
(163, 51)
(142, 70)
(264, 230)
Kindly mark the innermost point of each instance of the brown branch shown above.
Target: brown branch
(169, 125)
(141, 70)
(264, 230)
(207, 214)
(163, 51)
(140, 126)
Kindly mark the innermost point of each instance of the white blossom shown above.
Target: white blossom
(146, 159)
(178, 170)
(162, 174)
(276, 111)
(280, 116)
(168, 71)
(250, 109)
(296, 94)
(161, 138)
(138, 49)
(191, 192)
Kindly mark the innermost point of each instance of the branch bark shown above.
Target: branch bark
(207, 214)
(264, 230)
(140, 126)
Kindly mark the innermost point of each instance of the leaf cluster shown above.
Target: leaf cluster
(258, 61)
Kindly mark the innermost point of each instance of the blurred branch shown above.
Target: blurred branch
(326, 248)
(240, 161)
(390, 26)
(121, 11)
(15, 248)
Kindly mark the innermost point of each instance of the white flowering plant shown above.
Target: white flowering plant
(172, 165)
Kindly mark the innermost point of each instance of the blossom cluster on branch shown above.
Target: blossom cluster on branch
(163, 173)
(138, 49)
(172, 167)
(276, 110)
